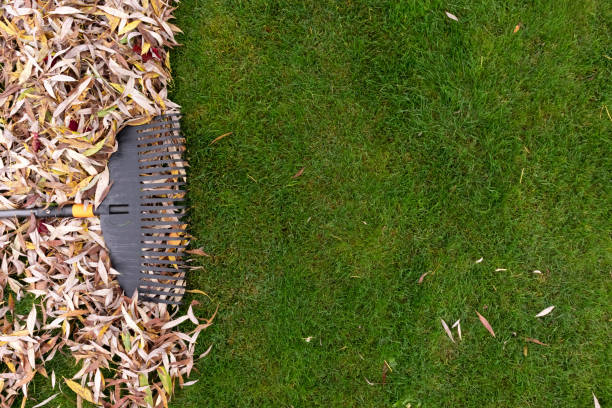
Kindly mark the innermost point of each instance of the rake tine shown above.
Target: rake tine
(150, 139)
(156, 300)
(164, 277)
(163, 246)
(161, 285)
(150, 125)
(153, 148)
(153, 253)
(164, 200)
(162, 231)
(155, 170)
(160, 292)
(158, 155)
(167, 184)
(144, 263)
(149, 193)
(163, 117)
(160, 223)
(145, 210)
(144, 137)
(161, 162)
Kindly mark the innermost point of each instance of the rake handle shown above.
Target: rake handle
(75, 210)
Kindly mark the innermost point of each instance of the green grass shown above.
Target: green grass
(427, 144)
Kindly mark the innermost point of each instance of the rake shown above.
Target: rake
(141, 215)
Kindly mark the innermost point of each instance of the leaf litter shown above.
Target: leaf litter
(72, 75)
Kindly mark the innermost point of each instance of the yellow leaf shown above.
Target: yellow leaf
(94, 149)
(1, 385)
(165, 379)
(80, 390)
(114, 22)
(8, 28)
(155, 4)
(10, 365)
(30, 245)
(145, 47)
(168, 61)
(129, 27)
(118, 87)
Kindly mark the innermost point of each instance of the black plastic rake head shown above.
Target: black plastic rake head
(141, 215)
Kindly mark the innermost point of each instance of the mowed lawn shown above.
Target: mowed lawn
(426, 144)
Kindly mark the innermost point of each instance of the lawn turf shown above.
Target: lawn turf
(426, 144)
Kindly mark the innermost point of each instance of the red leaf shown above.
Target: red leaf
(42, 228)
(157, 52)
(73, 125)
(35, 142)
(136, 48)
(146, 57)
(486, 324)
(536, 341)
(299, 173)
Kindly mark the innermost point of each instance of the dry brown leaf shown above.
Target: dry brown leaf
(215, 140)
(299, 173)
(536, 341)
(197, 251)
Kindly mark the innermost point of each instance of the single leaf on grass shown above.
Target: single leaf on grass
(451, 16)
(458, 325)
(536, 341)
(51, 398)
(81, 391)
(479, 260)
(595, 401)
(447, 330)
(299, 173)
(516, 28)
(31, 322)
(486, 324)
(545, 311)
(215, 140)
(422, 277)
(197, 251)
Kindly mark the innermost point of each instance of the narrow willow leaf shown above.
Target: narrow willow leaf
(447, 330)
(81, 391)
(451, 16)
(545, 311)
(486, 324)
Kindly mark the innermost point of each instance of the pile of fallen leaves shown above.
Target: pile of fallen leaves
(73, 74)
